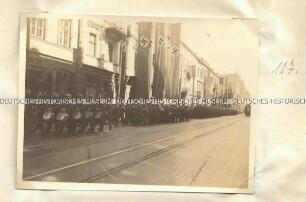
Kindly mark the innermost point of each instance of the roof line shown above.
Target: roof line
(199, 59)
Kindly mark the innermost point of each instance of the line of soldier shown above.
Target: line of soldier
(82, 118)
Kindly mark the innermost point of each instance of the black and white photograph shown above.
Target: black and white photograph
(137, 146)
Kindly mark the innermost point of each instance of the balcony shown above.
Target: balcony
(101, 64)
(51, 49)
(116, 33)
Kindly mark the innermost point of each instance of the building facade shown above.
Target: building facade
(88, 56)
(96, 57)
(51, 63)
(197, 79)
(233, 87)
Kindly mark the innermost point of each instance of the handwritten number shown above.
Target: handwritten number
(282, 68)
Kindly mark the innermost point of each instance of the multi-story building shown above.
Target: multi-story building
(88, 55)
(197, 79)
(51, 62)
(233, 87)
(211, 84)
(119, 59)
(103, 57)
(108, 54)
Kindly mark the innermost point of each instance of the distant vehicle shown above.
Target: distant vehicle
(247, 110)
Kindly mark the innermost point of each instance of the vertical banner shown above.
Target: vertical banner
(143, 58)
(159, 57)
(174, 68)
(166, 61)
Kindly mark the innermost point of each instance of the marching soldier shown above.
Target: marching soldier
(47, 115)
(77, 115)
(62, 115)
(87, 115)
(121, 111)
(128, 114)
(28, 114)
(116, 114)
(38, 111)
(109, 116)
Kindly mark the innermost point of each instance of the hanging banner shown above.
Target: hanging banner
(144, 58)
(158, 85)
(173, 67)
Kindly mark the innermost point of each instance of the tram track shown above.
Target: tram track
(97, 139)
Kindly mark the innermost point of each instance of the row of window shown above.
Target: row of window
(38, 29)
(200, 71)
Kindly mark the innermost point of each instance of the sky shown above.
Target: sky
(228, 45)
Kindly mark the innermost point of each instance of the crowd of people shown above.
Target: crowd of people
(72, 119)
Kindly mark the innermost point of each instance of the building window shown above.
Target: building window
(38, 27)
(64, 33)
(110, 51)
(92, 44)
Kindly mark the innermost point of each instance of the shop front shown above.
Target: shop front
(47, 74)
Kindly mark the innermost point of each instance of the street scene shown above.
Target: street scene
(147, 144)
(204, 152)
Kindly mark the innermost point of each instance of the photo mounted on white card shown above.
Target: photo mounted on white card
(111, 103)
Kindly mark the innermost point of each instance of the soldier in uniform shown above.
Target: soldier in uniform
(150, 110)
(167, 114)
(188, 113)
(103, 118)
(56, 107)
(116, 114)
(144, 113)
(109, 114)
(47, 115)
(78, 110)
(48, 118)
(28, 114)
(121, 111)
(155, 114)
(38, 111)
(134, 115)
(128, 114)
(181, 113)
(87, 115)
(62, 115)
(118, 111)
(176, 113)
(69, 110)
